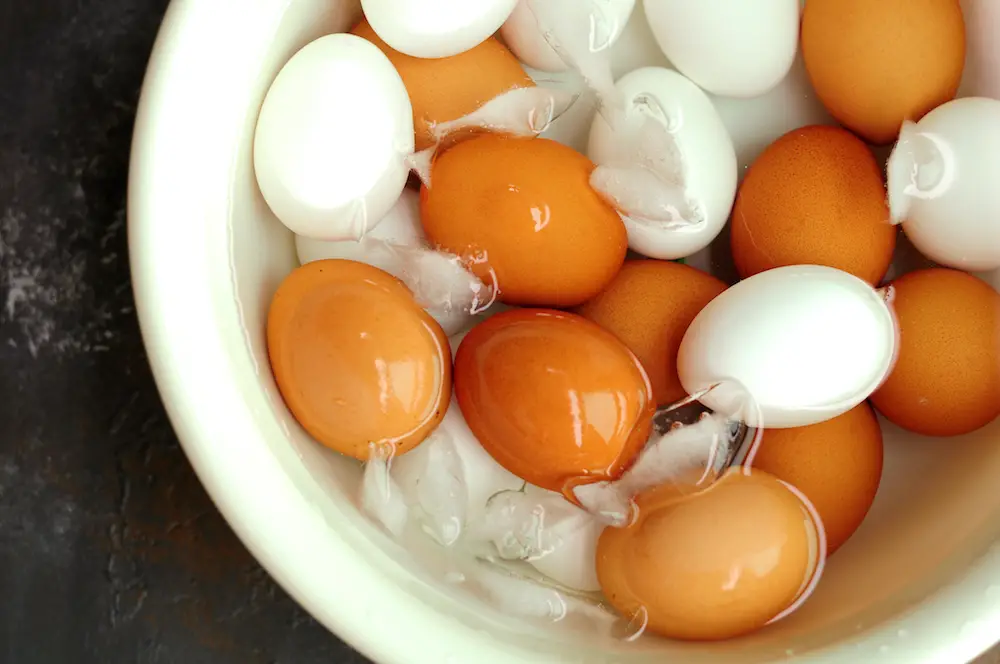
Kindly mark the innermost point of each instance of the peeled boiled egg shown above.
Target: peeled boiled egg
(695, 170)
(815, 196)
(522, 214)
(446, 89)
(438, 281)
(715, 564)
(649, 306)
(730, 48)
(946, 381)
(943, 175)
(527, 40)
(436, 28)
(837, 464)
(357, 361)
(877, 64)
(555, 399)
(331, 165)
(789, 347)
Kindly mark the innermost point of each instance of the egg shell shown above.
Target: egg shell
(331, 166)
(837, 464)
(334, 330)
(815, 196)
(712, 565)
(446, 89)
(943, 175)
(789, 347)
(436, 28)
(707, 159)
(526, 40)
(946, 381)
(876, 64)
(522, 214)
(728, 47)
(649, 306)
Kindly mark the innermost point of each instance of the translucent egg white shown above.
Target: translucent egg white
(436, 28)
(332, 138)
(789, 347)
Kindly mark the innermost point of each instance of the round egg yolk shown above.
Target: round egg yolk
(711, 565)
(649, 306)
(357, 361)
(553, 398)
(445, 89)
(522, 214)
(837, 464)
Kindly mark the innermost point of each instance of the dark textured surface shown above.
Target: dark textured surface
(110, 550)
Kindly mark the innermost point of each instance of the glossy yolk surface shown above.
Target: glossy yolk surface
(552, 397)
(711, 565)
(523, 210)
(357, 361)
(444, 89)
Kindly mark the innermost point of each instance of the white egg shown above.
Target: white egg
(436, 28)
(733, 48)
(449, 477)
(526, 39)
(943, 176)
(696, 172)
(789, 347)
(332, 138)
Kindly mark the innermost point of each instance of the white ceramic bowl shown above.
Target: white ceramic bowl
(920, 582)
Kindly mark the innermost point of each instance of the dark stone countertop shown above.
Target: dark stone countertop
(110, 550)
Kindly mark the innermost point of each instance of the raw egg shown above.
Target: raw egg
(445, 89)
(815, 196)
(876, 63)
(521, 212)
(946, 381)
(837, 464)
(555, 399)
(714, 564)
(649, 306)
(357, 361)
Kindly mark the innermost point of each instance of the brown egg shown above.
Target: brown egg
(649, 306)
(815, 196)
(837, 464)
(443, 89)
(357, 361)
(946, 381)
(876, 63)
(711, 565)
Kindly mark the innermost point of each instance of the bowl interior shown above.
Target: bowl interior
(913, 582)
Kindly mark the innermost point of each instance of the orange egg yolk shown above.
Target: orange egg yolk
(553, 398)
(357, 361)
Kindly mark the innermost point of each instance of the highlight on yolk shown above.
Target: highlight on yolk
(522, 213)
(445, 89)
(357, 361)
(553, 398)
(712, 565)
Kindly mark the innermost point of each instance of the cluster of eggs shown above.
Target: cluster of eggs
(489, 346)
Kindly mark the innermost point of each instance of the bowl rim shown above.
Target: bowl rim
(178, 287)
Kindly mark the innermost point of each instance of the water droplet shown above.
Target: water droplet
(902, 633)
(883, 649)
(631, 628)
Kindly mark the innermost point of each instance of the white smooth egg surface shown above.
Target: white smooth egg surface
(789, 347)
(436, 28)
(332, 139)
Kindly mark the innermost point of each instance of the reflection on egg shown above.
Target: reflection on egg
(876, 64)
(837, 464)
(356, 360)
(649, 306)
(522, 212)
(331, 166)
(814, 197)
(554, 398)
(946, 381)
(446, 89)
(712, 565)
